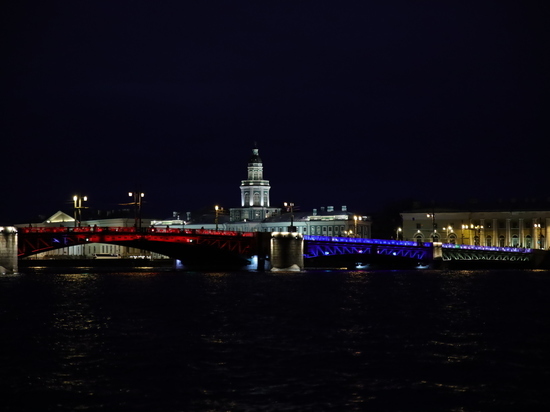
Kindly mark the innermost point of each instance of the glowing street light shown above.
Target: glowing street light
(537, 226)
(218, 210)
(137, 197)
(474, 240)
(398, 232)
(477, 233)
(355, 219)
(432, 215)
(464, 227)
(448, 230)
(78, 206)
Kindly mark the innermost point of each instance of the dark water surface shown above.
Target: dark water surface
(313, 341)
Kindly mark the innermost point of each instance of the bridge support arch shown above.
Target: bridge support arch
(8, 249)
(287, 251)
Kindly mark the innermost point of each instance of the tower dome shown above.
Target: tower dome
(255, 157)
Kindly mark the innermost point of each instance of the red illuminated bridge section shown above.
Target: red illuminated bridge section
(41, 239)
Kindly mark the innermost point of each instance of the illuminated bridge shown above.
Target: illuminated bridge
(390, 252)
(477, 255)
(197, 247)
(193, 246)
(351, 251)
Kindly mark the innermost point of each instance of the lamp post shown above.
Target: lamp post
(291, 206)
(218, 210)
(397, 233)
(446, 229)
(464, 227)
(78, 208)
(137, 197)
(477, 233)
(537, 226)
(356, 219)
(432, 215)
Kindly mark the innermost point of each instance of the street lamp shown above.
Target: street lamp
(477, 233)
(218, 210)
(432, 215)
(464, 227)
(448, 229)
(78, 208)
(398, 233)
(291, 206)
(137, 197)
(356, 219)
(537, 226)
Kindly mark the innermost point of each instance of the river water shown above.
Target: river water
(164, 340)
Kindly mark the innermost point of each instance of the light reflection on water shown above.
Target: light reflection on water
(311, 341)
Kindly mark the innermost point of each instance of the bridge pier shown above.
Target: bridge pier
(287, 251)
(437, 255)
(8, 249)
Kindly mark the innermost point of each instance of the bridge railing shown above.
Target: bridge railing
(385, 242)
(486, 248)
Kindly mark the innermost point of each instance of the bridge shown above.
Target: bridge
(328, 245)
(197, 247)
(193, 246)
(358, 251)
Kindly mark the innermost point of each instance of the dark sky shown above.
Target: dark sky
(350, 103)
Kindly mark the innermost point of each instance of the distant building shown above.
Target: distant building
(257, 215)
(517, 228)
(255, 204)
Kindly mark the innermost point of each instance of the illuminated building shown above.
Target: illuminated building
(257, 215)
(255, 205)
(517, 228)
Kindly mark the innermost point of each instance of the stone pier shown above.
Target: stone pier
(287, 251)
(8, 249)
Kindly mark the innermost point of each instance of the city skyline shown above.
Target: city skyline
(353, 104)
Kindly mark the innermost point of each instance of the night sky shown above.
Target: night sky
(350, 103)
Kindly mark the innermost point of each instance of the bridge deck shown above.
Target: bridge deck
(40, 239)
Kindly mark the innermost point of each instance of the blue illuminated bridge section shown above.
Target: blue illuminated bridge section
(317, 246)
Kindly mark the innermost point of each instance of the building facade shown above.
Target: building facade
(485, 228)
(255, 203)
(325, 221)
(257, 215)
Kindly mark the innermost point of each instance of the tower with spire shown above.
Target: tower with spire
(255, 205)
